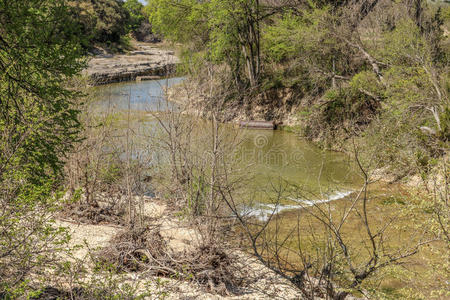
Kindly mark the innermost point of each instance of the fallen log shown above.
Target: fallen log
(258, 124)
(142, 78)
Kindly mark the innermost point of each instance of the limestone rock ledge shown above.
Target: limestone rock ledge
(146, 60)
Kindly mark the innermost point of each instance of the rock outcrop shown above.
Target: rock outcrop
(146, 60)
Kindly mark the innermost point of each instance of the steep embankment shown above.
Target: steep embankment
(146, 60)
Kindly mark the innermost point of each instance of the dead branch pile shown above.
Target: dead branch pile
(134, 249)
(88, 214)
(145, 250)
(213, 268)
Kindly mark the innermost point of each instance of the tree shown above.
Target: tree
(182, 21)
(39, 52)
(135, 12)
(229, 30)
(237, 24)
(102, 21)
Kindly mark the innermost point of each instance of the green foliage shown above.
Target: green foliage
(102, 21)
(39, 51)
(407, 86)
(226, 22)
(404, 45)
(228, 31)
(409, 100)
(347, 107)
(281, 40)
(292, 36)
(410, 96)
(136, 13)
(367, 82)
(307, 50)
(180, 21)
(191, 63)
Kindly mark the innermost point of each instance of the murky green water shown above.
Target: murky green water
(273, 159)
(142, 96)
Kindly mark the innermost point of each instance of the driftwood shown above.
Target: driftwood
(258, 124)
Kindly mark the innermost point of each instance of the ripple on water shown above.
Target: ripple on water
(263, 211)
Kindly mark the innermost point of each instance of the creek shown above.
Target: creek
(285, 174)
(271, 157)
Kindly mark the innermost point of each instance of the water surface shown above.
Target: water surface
(141, 96)
(272, 159)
